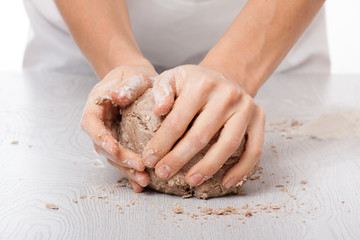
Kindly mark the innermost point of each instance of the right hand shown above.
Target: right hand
(203, 102)
(121, 86)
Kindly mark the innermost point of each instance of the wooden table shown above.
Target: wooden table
(45, 158)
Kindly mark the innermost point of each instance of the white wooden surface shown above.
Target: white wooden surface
(54, 162)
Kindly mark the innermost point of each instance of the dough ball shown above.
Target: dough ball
(138, 125)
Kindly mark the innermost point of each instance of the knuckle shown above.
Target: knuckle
(207, 84)
(256, 152)
(175, 164)
(248, 101)
(232, 95)
(173, 125)
(211, 169)
(233, 143)
(199, 139)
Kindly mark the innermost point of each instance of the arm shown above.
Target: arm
(102, 31)
(219, 93)
(259, 38)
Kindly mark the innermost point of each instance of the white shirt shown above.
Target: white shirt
(168, 32)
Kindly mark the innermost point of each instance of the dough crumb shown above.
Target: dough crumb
(304, 182)
(121, 179)
(15, 142)
(178, 209)
(119, 185)
(206, 211)
(254, 177)
(51, 206)
(295, 123)
(74, 201)
(218, 211)
(248, 213)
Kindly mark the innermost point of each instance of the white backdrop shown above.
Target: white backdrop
(343, 30)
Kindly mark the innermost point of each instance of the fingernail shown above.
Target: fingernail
(140, 180)
(195, 179)
(132, 163)
(151, 160)
(231, 182)
(163, 171)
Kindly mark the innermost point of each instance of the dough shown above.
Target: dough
(138, 125)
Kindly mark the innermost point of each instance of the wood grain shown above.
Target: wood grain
(54, 162)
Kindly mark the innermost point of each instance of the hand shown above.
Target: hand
(120, 87)
(216, 103)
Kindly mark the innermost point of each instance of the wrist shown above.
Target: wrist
(127, 60)
(120, 59)
(237, 71)
(117, 52)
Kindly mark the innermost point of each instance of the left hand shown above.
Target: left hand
(121, 86)
(216, 103)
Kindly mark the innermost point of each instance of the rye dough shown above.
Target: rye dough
(138, 125)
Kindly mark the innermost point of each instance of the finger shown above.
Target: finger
(130, 89)
(173, 127)
(252, 153)
(126, 159)
(98, 132)
(137, 188)
(109, 114)
(141, 178)
(204, 128)
(227, 143)
(164, 92)
(103, 138)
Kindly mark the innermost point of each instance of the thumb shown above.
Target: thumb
(164, 92)
(130, 89)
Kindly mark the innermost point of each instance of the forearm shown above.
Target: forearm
(101, 29)
(259, 38)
